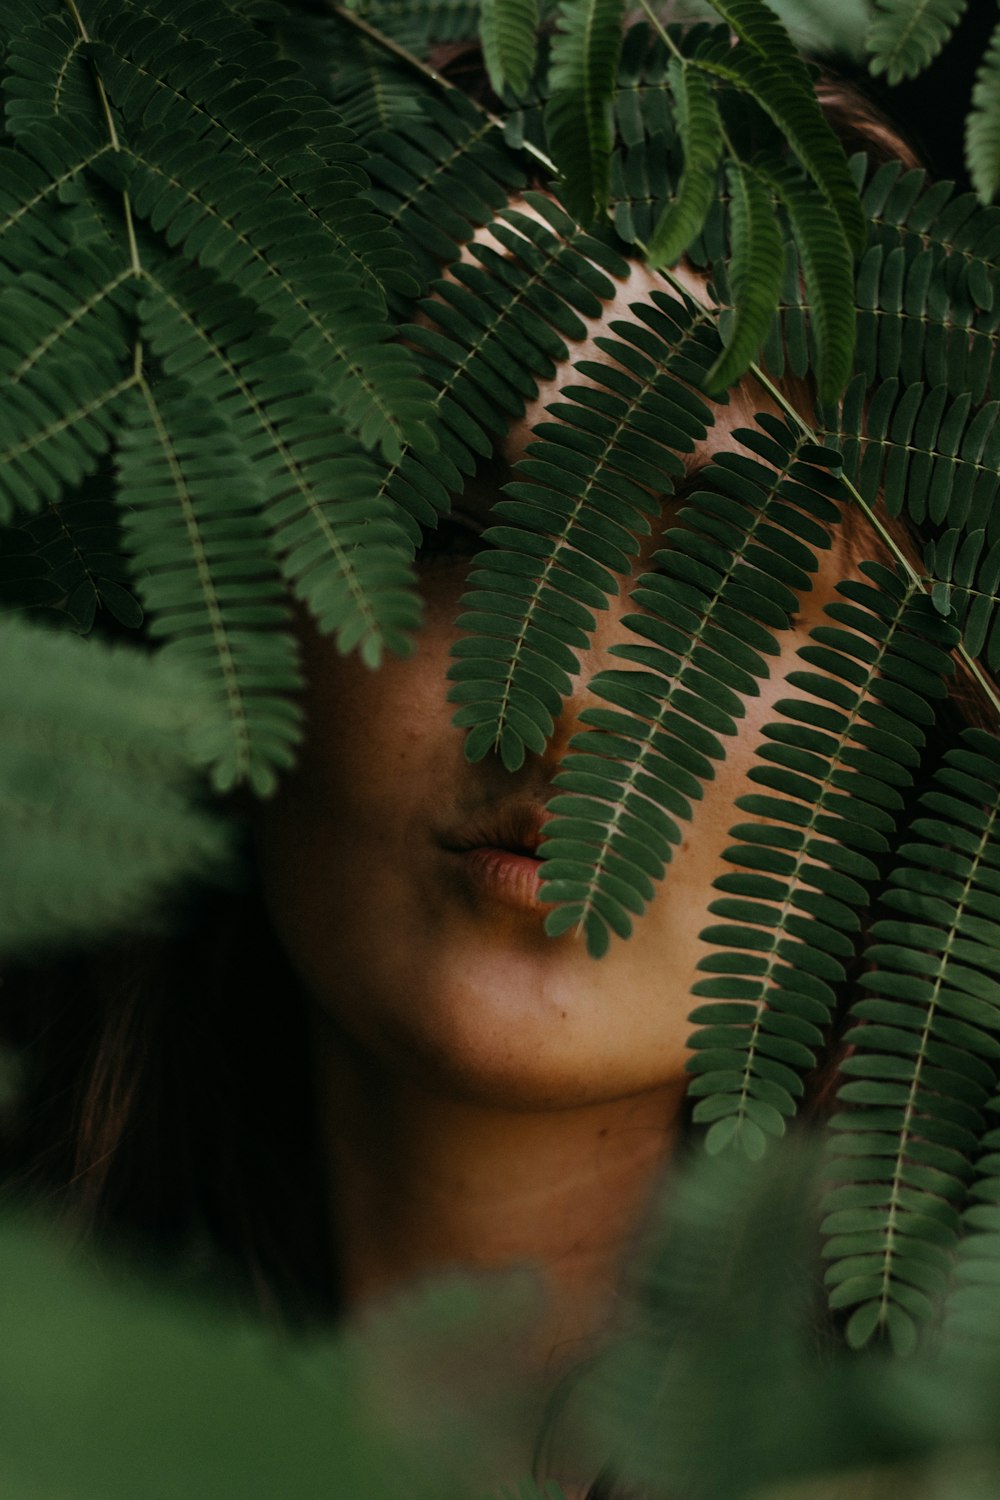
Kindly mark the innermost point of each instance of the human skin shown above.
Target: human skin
(490, 1096)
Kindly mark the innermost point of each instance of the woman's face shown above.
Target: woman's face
(426, 951)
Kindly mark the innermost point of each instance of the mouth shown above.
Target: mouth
(496, 855)
(512, 827)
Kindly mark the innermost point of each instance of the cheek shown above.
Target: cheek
(369, 732)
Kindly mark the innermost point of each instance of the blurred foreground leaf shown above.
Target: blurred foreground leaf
(109, 1392)
(99, 749)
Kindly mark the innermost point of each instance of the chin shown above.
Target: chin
(480, 1046)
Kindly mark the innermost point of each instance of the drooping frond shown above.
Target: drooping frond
(826, 266)
(36, 181)
(905, 35)
(98, 750)
(982, 128)
(215, 210)
(769, 66)
(368, 93)
(507, 31)
(727, 581)
(756, 275)
(648, 160)
(300, 153)
(700, 130)
(491, 332)
(64, 357)
(319, 489)
(836, 766)
(584, 65)
(570, 523)
(439, 178)
(922, 1068)
(209, 580)
(49, 76)
(242, 170)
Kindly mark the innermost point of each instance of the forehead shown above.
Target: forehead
(632, 291)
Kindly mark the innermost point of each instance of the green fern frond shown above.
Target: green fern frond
(920, 451)
(576, 510)
(925, 1051)
(80, 305)
(756, 275)
(789, 344)
(578, 119)
(490, 333)
(829, 277)
(961, 280)
(648, 162)
(970, 1315)
(728, 580)
(768, 66)
(97, 759)
(964, 569)
(34, 182)
(49, 77)
(911, 327)
(906, 35)
(369, 94)
(421, 24)
(982, 127)
(214, 210)
(700, 129)
(155, 61)
(507, 32)
(58, 438)
(65, 355)
(439, 178)
(840, 769)
(342, 549)
(208, 578)
(14, 17)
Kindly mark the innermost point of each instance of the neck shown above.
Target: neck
(422, 1182)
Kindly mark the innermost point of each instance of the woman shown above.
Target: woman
(490, 1095)
(428, 1081)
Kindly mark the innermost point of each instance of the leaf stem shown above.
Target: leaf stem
(109, 118)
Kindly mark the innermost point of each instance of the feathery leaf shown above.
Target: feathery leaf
(905, 35)
(98, 750)
(208, 579)
(756, 275)
(982, 127)
(578, 118)
(507, 32)
(700, 130)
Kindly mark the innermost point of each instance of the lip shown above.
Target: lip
(496, 855)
